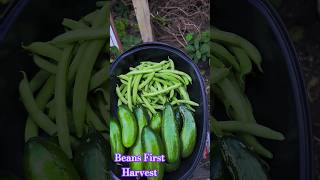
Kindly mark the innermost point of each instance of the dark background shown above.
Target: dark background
(302, 18)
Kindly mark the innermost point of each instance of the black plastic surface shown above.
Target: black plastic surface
(157, 52)
(278, 95)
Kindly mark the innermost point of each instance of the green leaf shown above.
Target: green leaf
(205, 36)
(189, 48)
(205, 48)
(198, 55)
(189, 37)
(197, 43)
(204, 58)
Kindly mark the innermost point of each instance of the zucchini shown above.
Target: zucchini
(151, 143)
(45, 160)
(156, 122)
(218, 169)
(137, 149)
(115, 138)
(170, 167)
(170, 135)
(188, 134)
(92, 157)
(129, 126)
(240, 161)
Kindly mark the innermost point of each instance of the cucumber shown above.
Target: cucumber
(156, 122)
(151, 143)
(45, 160)
(218, 169)
(178, 119)
(170, 135)
(241, 162)
(188, 134)
(92, 157)
(115, 138)
(129, 126)
(170, 167)
(137, 149)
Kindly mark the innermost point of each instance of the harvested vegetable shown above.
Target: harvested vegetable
(153, 84)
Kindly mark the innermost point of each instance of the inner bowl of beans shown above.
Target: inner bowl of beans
(156, 59)
(277, 95)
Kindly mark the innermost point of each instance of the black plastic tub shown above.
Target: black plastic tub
(28, 21)
(278, 95)
(157, 52)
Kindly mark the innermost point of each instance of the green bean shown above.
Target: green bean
(124, 77)
(139, 99)
(31, 106)
(171, 63)
(103, 109)
(44, 64)
(99, 78)
(123, 82)
(163, 90)
(235, 40)
(147, 104)
(76, 62)
(250, 128)
(44, 49)
(135, 88)
(80, 35)
(38, 80)
(216, 62)
(222, 53)
(72, 24)
(162, 81)
(143, 71)
(31, 130)
(214, 127)
(121, 97)
(171, 94)
(184, 102)
(94, 119)
(162, 99)
(145, 82)
(60, 100)
(168, 77)
(82, 80)
(178, 72)
(183, 93)
(218, 74)
(129, 96)
(244, 61)
(119, 102)
(89, 18)
(41, 100)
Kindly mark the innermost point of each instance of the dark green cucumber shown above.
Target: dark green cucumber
(129, 126)
(170, 167)
(115, 138)
(178, 119)
(218, 169)
(45, 160)
(188, 133)
(170, 135)
(241, 162)
(92, 157)
(156, 121)
(137, 149)
(152, 143)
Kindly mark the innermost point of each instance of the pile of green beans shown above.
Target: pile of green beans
(152, 84)
(69, 94)
(233, 58)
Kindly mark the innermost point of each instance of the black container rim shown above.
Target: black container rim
(179, 52)
(10, 18)
(299, 89)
